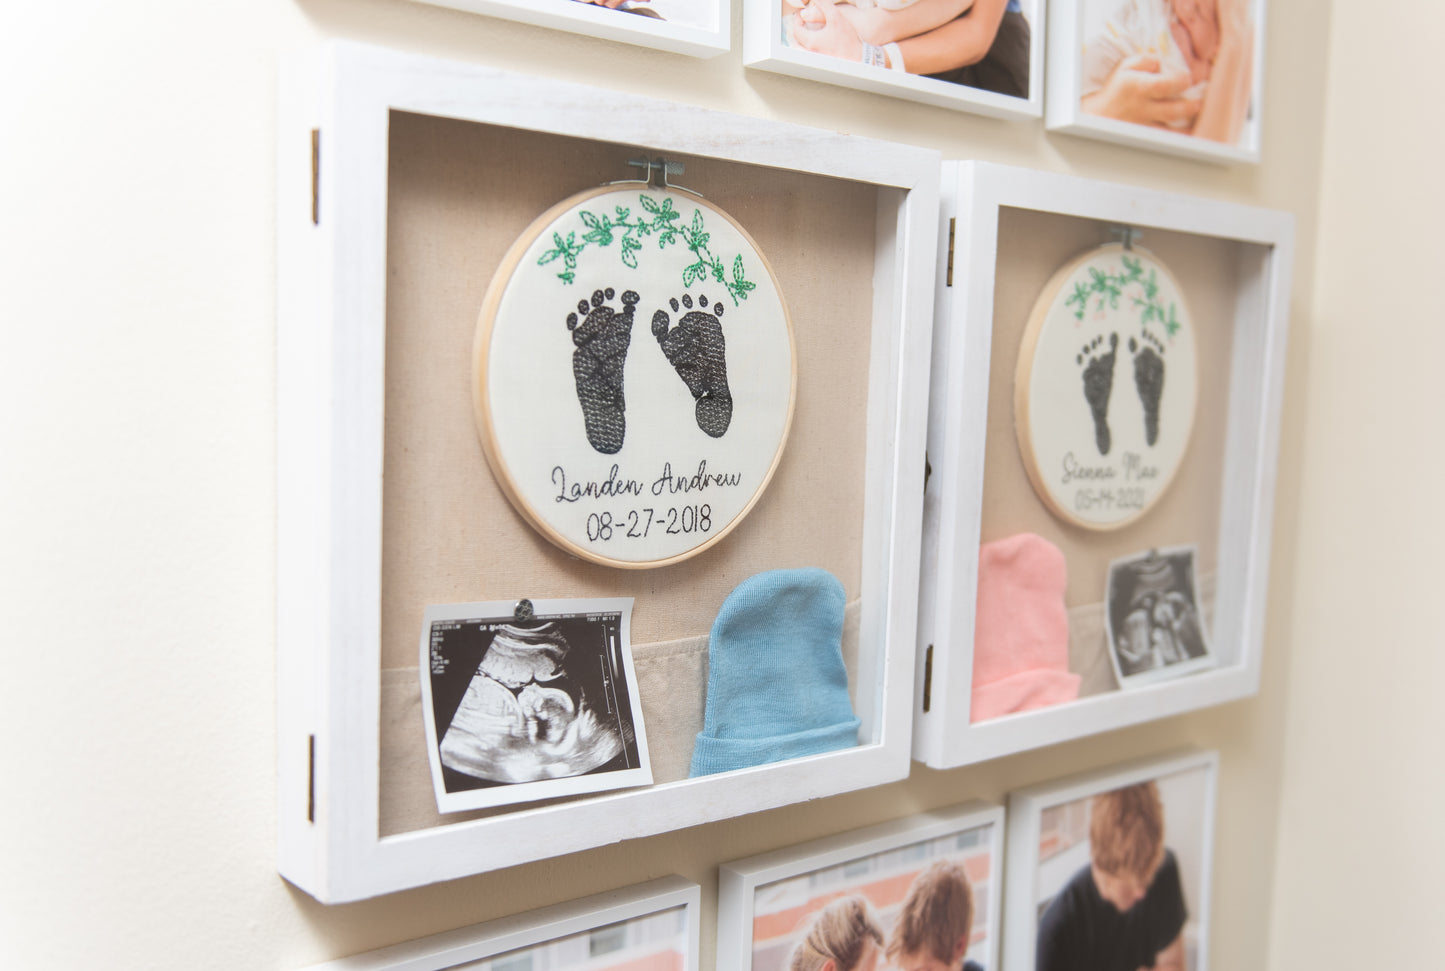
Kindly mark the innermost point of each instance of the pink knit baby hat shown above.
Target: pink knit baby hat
(1021, 630)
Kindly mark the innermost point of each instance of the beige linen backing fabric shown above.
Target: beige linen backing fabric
(459, 194)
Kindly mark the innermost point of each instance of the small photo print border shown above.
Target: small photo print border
(524, 704)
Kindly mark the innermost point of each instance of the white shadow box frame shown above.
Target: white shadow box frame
(998, 216)
(558, 929)
(765, 49)
(697, 40)
(1071, 26)
(1188, 784)
(345, 118)
(850, 862)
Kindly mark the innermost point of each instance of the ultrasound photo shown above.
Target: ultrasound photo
(529, 702)
(1154, 625)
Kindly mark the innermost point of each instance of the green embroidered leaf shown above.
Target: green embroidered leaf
(601, 233)
(630, 247)
(692, 273)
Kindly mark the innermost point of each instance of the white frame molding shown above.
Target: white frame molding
(738, 880)
(453, 949)
(973, 193)
(1025, 812)
(763, 48)
(598, 21)
(1064, 114)
(331, 360)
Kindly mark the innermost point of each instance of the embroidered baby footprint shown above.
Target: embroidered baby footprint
(696, 350)
(602, 337)
(1098, 383)
(1149, 380)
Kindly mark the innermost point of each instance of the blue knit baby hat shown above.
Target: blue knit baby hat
(776, 685)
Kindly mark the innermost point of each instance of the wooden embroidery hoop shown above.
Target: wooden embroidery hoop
(481, 352)
(1043, 307)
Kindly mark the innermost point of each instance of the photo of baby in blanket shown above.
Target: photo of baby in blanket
(980, 43)
(1185, 66)
(694, 13)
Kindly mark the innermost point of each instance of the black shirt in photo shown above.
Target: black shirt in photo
(1081, 931)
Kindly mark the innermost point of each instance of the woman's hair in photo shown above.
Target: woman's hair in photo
(1126, 830)
(837, 934)
(936, 914)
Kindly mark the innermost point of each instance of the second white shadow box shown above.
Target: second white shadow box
(1104, 422)
(405, 185)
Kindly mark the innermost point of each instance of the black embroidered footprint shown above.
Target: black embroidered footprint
(695, 348)
(602, 339)
(1149, 380)
(1098, 383)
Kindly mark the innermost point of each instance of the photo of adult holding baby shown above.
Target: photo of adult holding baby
(913, 895)
(1121, 876)
(1183, 66)
(980, 43)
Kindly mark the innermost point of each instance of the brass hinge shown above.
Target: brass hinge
(949, 279)
(316, 176)
(311, 778)
(928, 678)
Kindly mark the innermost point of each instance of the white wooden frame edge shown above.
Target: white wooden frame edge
(972, 194)
(764, 49)
(1063, 113)
(450, 949)
(1025, 808)
(331, 332)
(594, 21)
(739, 879)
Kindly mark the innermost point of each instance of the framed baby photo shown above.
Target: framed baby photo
(700, 28)
(518, 606)
(982, 56)
(652, 926)
(1113, 869)
(1184, 77)
(900, 894)
(1108, 367)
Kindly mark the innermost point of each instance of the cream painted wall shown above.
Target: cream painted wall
(1358, 871)
(137, 499)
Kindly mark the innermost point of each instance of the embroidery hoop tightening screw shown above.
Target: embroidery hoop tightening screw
(657, 170)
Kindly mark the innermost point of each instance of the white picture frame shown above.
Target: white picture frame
(658, 917)
(765, 49)
(1072, 29)
(709, 37)
(331, 366)
(974, 195)
(1187, 785)
(868, 862)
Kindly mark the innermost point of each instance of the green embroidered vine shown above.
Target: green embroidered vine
(1109, 287)
(660, 221)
